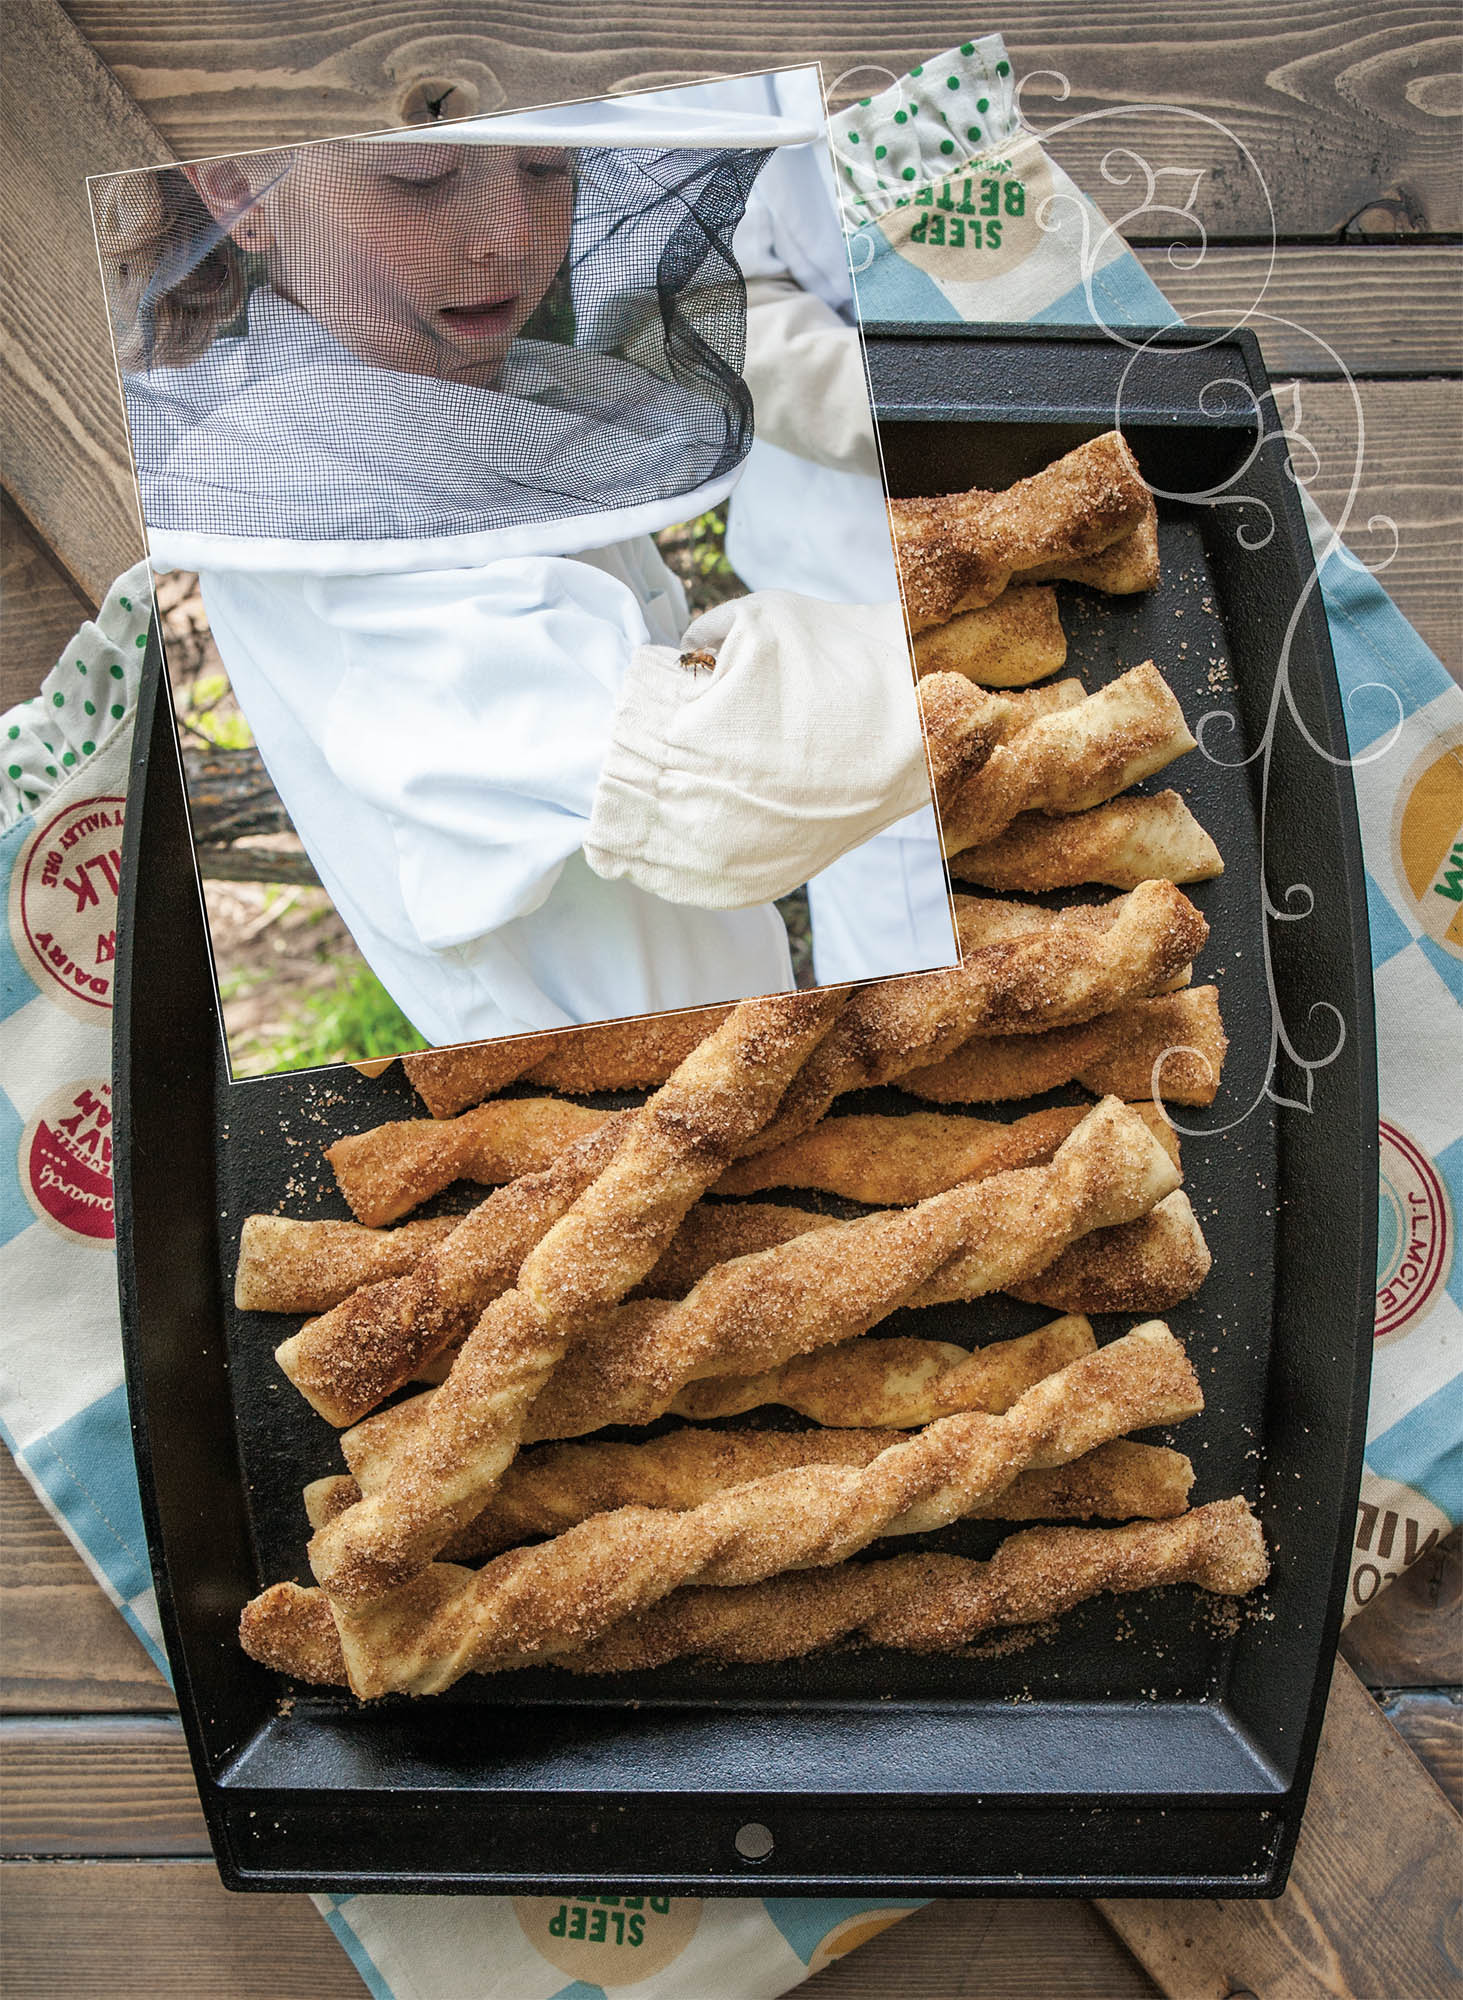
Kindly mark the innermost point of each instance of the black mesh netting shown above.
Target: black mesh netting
(368, 341)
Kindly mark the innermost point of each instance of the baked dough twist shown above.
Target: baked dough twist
(1025, 970)
(546, 1491)
(919, 1603)
(1063, 762)
(821, 1288)
(959, 551)
(1174, 1044)
(667, 1153)
(612, 1055)
(1010, 643)
(538, 1601)
(1122, 843)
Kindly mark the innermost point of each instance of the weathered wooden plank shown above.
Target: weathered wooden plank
(1381, 310)
(1343, 105)
(1430, 1723)
(161, 1931)
(1410, 453)
(63, 1649)
(40, 607)
(1372, 1902)
(98, 1788)
(66, 458)
(1412, 1634)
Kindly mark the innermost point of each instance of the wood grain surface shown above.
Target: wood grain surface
(1372, 1909)
(64, 117)
(1345, 110)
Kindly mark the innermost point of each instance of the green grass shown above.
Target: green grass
(349, 1022)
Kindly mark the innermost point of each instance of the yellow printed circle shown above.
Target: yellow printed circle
(1427, 835)
(851, 1933)
(608, 1941)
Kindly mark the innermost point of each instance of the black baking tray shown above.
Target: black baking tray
(1148, 1745)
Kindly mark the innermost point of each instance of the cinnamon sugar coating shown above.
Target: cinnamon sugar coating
(1009, 643)
(1119, 844)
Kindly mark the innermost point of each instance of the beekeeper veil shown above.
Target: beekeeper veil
(519, 335)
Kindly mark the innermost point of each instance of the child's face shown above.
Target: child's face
(423, 258)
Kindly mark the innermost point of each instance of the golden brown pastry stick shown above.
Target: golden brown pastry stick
(891, 1160)
(1128, 565)
(546, 1491)
(1009, 643)
(959, 551)
(392, 1169)
(1146, 1266)
(625, 1055)
(862, 1385)
(376, 1338)
(670, 1150)
(611, 1055)
(922, 1603)
(559, 1595)
(1063, 762)
(306, 1267)
(886, 1160)
(755, 1313)
(963, 723)
(1051, 969)
(448, 1079)
(925, 1603)
(895, 1384)
(1122, 843)
(1114, 1055)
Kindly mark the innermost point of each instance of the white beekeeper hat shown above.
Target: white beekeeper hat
(321, 373)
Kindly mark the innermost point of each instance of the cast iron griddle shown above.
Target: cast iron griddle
(1154, 1743)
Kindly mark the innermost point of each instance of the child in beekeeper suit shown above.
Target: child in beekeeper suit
(417, 469)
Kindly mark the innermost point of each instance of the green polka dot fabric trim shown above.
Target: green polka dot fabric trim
(50, 739)
(948, 110)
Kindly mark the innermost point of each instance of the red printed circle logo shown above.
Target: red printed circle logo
(66, 1161)
(64, 903)
(1414, 1232)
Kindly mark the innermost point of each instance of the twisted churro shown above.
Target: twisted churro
(959, 551)
(1008, 643)
(1050, 969)
(893, 1384)
(375, 1338)
(866, 1384)
(893, 1160)
(1122, 843)
(1174, 1042)
(537, 1601)
(306, 1267)
(1147, 1265)
(546, 1491)
(1063, 762)
(935, 1603)
(392, 1169)
(923, 1603)
(1125, 566)
(817, 1290)
(611, 1055)
(670, 1149)
(447, 1079)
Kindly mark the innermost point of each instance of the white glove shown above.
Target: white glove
(805, 369)
(732, 786)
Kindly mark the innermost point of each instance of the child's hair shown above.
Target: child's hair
(150, 225)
